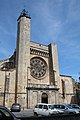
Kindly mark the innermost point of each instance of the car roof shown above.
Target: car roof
(58, 104)
(43, 104)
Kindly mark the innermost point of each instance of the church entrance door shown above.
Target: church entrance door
(44, 98)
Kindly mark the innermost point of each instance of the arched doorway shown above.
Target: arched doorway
(44, 98)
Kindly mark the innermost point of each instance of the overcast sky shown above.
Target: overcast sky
(52, 21)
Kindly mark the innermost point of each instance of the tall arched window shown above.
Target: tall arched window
(63, 88)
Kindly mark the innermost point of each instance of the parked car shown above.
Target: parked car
(5, 114)
(75, 107)
(66, 109)
(45, 110)
(16, 107)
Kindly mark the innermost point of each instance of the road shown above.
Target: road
(24, 113)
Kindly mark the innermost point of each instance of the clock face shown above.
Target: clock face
(38, 67)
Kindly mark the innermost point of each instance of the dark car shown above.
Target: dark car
(5, 114)
(16, 107)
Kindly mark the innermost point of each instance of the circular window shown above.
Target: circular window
(38, 67)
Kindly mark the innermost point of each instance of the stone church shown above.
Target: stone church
(31, 75)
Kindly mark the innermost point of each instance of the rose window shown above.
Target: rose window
(38, 67)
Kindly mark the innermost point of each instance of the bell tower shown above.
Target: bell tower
(22, 57)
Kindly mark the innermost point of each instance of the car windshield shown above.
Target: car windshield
(75, 106)
(69, 106)
(15, 105)
(5, 112)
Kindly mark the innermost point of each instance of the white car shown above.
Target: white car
(45, 110)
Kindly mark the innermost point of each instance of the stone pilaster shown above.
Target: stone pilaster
(54, 68)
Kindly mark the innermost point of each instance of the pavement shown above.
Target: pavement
(24, 113)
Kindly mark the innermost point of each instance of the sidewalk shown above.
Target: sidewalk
(24, 113)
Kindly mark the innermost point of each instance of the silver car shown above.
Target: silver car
(5, 114)
(75, 107)
(63, 107)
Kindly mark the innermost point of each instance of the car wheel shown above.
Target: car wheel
(35, 114)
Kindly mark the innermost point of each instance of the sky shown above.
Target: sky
(52, 21)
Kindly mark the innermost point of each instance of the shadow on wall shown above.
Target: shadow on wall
(75, 99)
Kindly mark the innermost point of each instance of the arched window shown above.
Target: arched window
(63, 88)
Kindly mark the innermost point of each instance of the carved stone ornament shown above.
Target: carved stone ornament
(38, 67)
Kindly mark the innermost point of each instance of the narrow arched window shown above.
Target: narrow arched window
(63, 88)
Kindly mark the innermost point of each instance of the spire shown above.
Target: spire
(24, 13)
